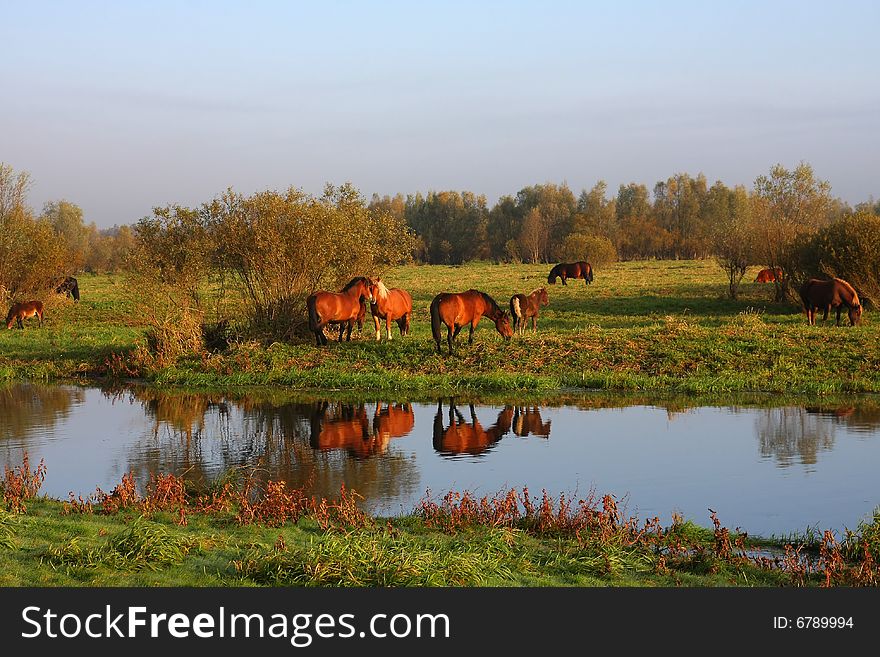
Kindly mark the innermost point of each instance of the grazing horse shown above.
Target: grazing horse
(70, 287)
(455, 309)
(460, 437)
(836, 293)
(329, 307)
(522, 307)
(26, 310)
(771, 275)
(566, 270)
(391, 305)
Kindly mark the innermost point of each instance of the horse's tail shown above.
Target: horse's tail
(515, 310)
(435, 320)
(314, 320)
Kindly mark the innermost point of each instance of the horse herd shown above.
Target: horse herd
(455, 310)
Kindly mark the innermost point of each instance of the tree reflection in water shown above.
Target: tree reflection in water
(26, 408)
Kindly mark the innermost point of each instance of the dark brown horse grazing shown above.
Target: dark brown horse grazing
(522, 307)
(329, 307)
(68, 286)
(391, 305)
(456, 309)
(461, 437)
(21, 311)
(769, 275)
(836, 293)
(566, 270)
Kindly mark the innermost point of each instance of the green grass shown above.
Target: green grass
(655, 325)
(50, 548)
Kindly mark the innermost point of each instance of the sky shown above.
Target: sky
(120, 107)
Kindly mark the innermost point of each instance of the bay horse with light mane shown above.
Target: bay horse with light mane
(392, 304)
(457, 309)
(334, 307)
(22, 311)
(771, 275)
(522, 307)
(836, 293)
(566, 270)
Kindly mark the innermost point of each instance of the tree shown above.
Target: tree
(732, 231)
(790, 207)
(66, 219)
(595, 213)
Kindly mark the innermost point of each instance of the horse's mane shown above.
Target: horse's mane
(537, 290)
(383, 291)
(353, 282)
(492, 303)
(849, 287)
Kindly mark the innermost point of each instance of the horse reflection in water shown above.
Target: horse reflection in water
(350, 427)
(461, 437)
(528, 421)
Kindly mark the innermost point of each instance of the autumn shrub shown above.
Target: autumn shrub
(596, 250)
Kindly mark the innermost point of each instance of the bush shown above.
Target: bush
(598, 251)
(848, 249)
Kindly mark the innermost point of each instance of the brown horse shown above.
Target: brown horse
(836, 293)
(391, 305)
(456, 309)
(522, 307)
(362, 313)
(329, 307)
(771, 275)
(460, 437)
(566, 270)
(21, 311)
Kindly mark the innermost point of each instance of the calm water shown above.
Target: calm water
(767, 470)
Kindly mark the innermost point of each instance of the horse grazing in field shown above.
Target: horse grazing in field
(461, 437)
(836, 293)
(522, 307)
(337, 307)
(771, 275)
(456, 309)
(22, 311)
(70, 287)
(391, 305)
(566, 270)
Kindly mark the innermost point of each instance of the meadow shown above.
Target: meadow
(646, 325)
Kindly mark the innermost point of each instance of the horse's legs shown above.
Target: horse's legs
(388, 325)
(449, 337)
(563, 281)
(471, 333)
(350, 327)
(839, 308)
(376, 325)
(534, 323)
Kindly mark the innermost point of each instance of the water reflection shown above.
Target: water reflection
(25, 409)
(754, 464)
(463, 437)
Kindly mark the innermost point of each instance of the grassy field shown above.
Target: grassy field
(656, 325)
(167, 539)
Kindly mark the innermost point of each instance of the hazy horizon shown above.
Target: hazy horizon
(122, 107)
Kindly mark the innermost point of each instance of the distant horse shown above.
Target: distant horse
(769, 275)
(456, 309)
(361, 314)
(335, 307)
(461, 437)
(528, 421)
(522, 307)
(391, 305)
(70, 287)
(836, 293)
(21, 311)
(566, 270)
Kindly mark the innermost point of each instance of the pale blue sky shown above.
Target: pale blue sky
(121, 106)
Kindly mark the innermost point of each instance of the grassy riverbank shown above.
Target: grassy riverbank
(173, 537)
(640, 326)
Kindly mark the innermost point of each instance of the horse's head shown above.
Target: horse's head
(365, 288)
(855, 315)
(543, 299)
(10, 318)
(551, 279)
(502, 323)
